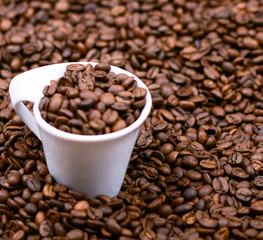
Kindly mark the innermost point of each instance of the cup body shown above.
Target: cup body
(94, 165)
(93, 168)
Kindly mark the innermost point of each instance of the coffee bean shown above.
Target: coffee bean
(113, 226)
(107, 99)
(258, 181)
(239, 174)
(220, 185)
(190, 161)
(256, 224)
(115, 89)
(183, 208)
(235, 158)
(118, 125)
(55, 102)
(4, 195)
(250, 43)
(45, 228)
(110, 116)
(155, 204)
(48, 191)
(165, 210)
(205, 190)
(189, 194)
(87, 94)
(208, 164)
(103, 67)
(33, 184)
(193, 175)
(257, 207)
(204, 220)
(244, 194)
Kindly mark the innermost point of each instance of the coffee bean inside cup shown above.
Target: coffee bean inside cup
(91, 100)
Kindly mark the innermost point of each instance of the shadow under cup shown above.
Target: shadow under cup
(92, 164)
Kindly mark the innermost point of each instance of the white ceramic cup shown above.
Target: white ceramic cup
(94, 164)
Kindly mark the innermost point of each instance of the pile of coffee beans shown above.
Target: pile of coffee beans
(91, 101)
(196, 171)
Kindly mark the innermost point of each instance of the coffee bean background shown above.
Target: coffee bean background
(196, 171)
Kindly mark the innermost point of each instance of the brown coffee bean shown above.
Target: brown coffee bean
(13, 178)
(4, 195)
(235, 158)
(220, 185)
(244, 194)
(189, 194)
(125, 97)
(45, 228)
(107, 98)
(55, 102)
(190, 161)
(115, 89)
(72, 93)
(140, 93)
(239, 174)
(48, 191)
(118, 125)
(250, 43)
(103, 67)
(120, 107)
(33, 184)
(113, 227)
(208, 164)
(205, 190)
(257, 207)
(75, 67)
(258, 181)
(97, 124)
(204, 220)
(110, 116)
(155, 204)
(193, 175)
(183, 208)
(256, 224)
(6, 24)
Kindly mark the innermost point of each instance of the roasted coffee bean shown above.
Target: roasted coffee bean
(45, 229)
(110, 116)
(33, 184)
(193, 175)
(189, 194)
(244, 194)
(220, 185)
(107, 98)
(75, 67)
(113, 227)
(55, 102)
(257, 207)
(235, 158)
(190, 161)
(205, 190)
(205, 221)
(258, 181)
(4, 195)
(103, 67)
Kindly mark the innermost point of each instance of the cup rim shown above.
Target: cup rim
(100, 137)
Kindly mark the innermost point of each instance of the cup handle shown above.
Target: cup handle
(25, 87)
